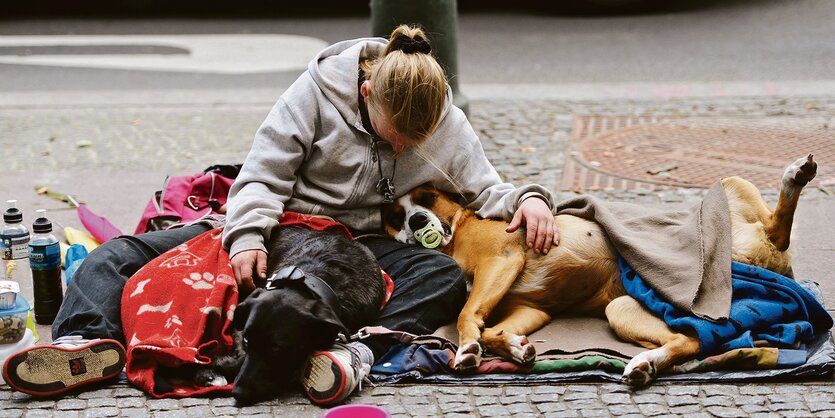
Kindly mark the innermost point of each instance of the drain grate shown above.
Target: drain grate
(656, 153)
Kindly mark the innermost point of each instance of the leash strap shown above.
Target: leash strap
(365, 332)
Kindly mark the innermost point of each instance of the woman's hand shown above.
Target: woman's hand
(539, 221)
(245, 263)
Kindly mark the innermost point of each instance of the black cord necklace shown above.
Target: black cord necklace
(385, 186)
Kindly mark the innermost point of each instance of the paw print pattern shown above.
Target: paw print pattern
(185, 258)
(226, 279)
(199, 281)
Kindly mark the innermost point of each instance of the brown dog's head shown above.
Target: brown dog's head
(423, 207)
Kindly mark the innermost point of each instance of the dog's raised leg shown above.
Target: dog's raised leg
(508, 338)
(797, 175)
(633, 322)
(492, 279)
(762, 237)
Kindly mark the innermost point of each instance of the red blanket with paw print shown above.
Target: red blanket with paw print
(178, 309)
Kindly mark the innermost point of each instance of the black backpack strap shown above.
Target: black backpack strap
(226, 170)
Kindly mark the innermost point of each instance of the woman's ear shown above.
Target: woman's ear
(365, 89)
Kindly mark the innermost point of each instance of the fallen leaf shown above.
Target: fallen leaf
(662, 168)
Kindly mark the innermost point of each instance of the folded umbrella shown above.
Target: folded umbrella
(99, 227)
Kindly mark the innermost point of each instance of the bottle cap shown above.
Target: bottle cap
(12, 214)
(41, 224)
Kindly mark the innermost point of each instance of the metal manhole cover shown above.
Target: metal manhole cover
(623, 153)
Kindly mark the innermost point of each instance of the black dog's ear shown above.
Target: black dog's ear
(243, 308)
(322, 312)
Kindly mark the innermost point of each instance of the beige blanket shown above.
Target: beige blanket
(569, 338)
(685, 256)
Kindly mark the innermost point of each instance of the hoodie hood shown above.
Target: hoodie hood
(335, 71)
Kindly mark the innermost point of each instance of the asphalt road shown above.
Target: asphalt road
(730, 41)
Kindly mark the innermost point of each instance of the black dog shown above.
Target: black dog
(319, 284)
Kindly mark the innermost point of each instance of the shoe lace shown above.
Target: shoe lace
(71, 340)
(361, 370)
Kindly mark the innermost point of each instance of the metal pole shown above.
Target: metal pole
(439, 19)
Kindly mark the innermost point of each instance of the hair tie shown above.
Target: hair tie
(410, 45)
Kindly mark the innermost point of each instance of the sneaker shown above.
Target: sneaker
(68, 363)
(330, 376)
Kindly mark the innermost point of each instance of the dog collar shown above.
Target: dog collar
(292, 274)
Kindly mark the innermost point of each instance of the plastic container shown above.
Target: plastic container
(356, 411)
(6, 350)
(13, 321)
(8, 293)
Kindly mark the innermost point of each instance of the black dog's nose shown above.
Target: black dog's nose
(418, 221)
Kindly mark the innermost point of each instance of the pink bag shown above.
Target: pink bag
(186, 198)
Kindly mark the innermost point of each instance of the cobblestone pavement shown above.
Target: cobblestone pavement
(112, 148)
(564, 400)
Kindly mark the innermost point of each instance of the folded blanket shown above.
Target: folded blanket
(745, 359)
(766, 307)
(684, 255)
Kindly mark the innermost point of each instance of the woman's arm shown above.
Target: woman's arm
(531, 205)
(263, 186)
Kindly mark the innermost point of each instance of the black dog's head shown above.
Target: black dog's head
(283, 326)
(280, 328)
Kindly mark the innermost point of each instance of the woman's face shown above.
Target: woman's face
(382, 125)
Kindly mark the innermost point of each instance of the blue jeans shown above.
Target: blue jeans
(429, 287)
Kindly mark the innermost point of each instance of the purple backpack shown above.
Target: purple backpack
(186, 198)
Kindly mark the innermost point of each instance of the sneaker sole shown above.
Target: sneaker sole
(319, 365)
(51, 370)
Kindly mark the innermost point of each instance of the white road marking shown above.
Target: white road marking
(220, 54)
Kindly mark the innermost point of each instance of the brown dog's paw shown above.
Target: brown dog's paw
(468, 356)
(522, 350)
(641, 369)
(800, 172)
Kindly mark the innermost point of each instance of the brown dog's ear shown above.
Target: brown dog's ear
(242, 310)
(425, 198)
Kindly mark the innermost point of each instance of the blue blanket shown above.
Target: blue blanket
(765, 306)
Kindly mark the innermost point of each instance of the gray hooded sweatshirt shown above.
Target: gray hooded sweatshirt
(312, 155)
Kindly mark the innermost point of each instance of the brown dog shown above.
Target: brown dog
(518, 292)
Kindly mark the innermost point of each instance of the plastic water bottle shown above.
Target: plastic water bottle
(14, 244)
(45, 259)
